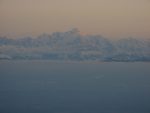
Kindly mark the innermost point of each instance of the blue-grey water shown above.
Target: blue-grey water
(71, 87)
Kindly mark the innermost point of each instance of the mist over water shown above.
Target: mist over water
(74, 87)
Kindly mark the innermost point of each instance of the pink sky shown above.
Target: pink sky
(111, 18)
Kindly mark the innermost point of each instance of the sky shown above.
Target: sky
(110, 18)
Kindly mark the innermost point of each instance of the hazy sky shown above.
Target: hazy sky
(111, 18)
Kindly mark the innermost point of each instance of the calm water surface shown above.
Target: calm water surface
(59, 87)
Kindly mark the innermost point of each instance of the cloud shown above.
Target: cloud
(71, 45)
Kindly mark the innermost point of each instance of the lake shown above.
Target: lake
(74, 87)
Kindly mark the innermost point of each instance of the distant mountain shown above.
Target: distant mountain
(71, 45)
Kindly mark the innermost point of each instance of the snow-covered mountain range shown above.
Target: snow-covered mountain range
(71, 45)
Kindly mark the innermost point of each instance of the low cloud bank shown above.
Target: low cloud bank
(71, 45)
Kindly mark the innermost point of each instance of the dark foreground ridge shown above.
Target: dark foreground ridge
(71, 45)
